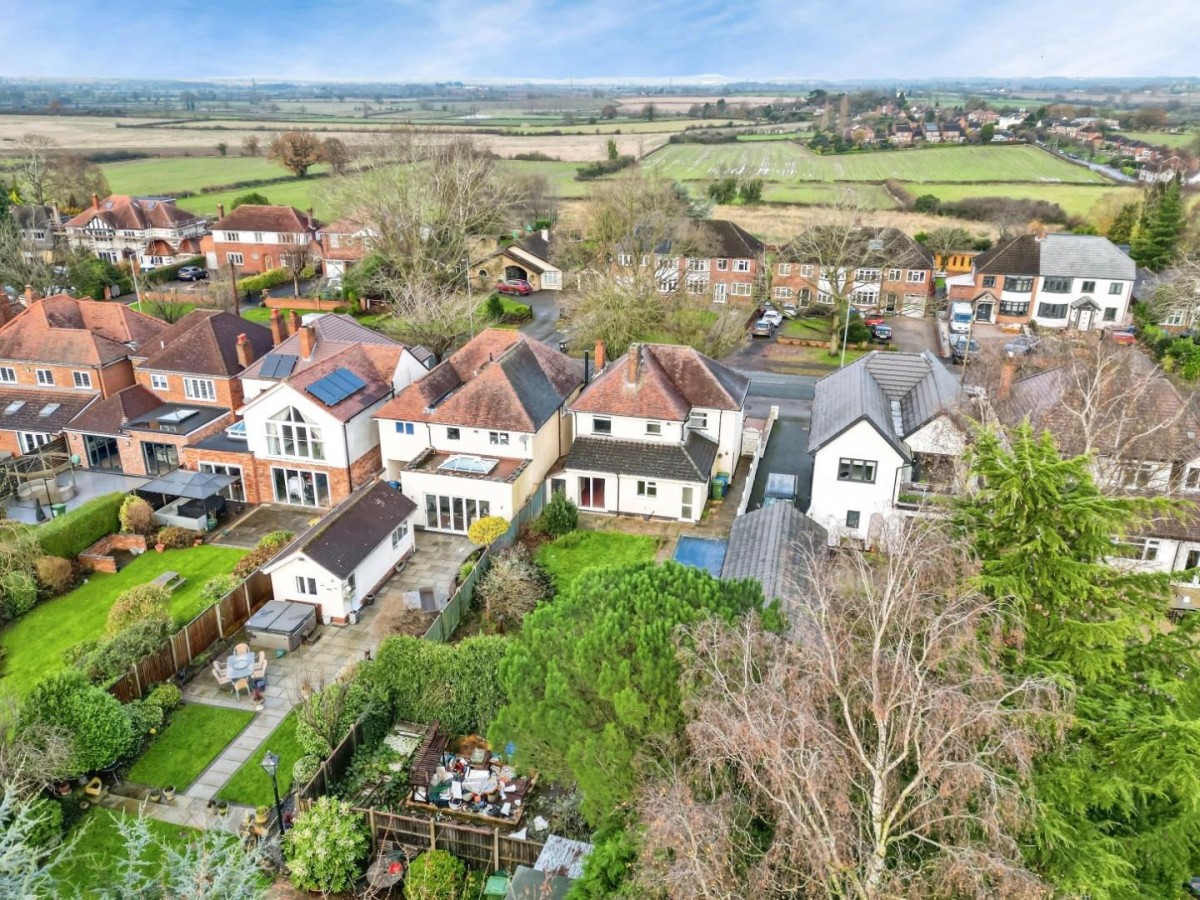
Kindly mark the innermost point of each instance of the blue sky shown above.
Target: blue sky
(400, 40)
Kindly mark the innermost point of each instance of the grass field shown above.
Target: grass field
(789, 162)
(1161, 139)
(164, 176)
(1076, 199)
(34, 644)
(250, 785)
(187, 746)
(566, 558)
(300, 193)
(870, 196)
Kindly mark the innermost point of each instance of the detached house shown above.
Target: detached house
(58, 357)
(884, 436)
(40, 229)
(651, 430)
(186, 388)
(527, 259)
(477, 435)
(342, 244)
(253, 239)
(151, 230)
(717, 261)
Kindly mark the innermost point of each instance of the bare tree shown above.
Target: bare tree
(537, 196)
(875, 751)
(34, 164)
(73, 179)
(296, 151)
(337, 154)
(21, 264)
(296, 257)
(1173, 296)
(250, 145)
(34, 756)
(423, 311)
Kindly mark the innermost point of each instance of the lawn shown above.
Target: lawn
(193, 739)
(34, 644)
(573, 553)
(300, 193)
(814, 328)
(137, 307)
(1162, 139)
(809, 360)
(262, 314)
(250, 785)
(190, 173)
(91, 866)
(1075, 199)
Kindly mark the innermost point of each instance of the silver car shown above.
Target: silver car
(1021, 345)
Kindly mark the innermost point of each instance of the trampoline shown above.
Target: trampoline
(701, 553)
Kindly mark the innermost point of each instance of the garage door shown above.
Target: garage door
(914, 305)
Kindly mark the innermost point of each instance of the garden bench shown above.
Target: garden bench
(169, 580)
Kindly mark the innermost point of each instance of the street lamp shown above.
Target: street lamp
(270, 764)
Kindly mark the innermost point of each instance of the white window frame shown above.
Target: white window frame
(722, 265)
(806, 271)
(235, 259)
(289, 431)
(45, 377)
(624, 259)
(894, 274)
(1116, 288)
(916, 276)
(697, 264)
(785, 268)
(698, 419)
(199, 388)
(399, 534)
(596, 420)
(647, 489)
(654, 429)
(741, 265)
(31, 440)
(8, 375)
(783, 293)
(82, 380)
(697, 284)
(740, 289)
(258, 237)
(160, 382)
(868, 275)
(498, 438)
(1191, 478)
(306, 585)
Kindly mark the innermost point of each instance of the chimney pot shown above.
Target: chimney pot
(95, 201)
(634, 362)
(276, 327)
(220, 210)
(308, 340)
(245, 350)
(29, 298)
(600, 358)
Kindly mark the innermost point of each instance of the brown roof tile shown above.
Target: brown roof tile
(250, 217)
(122, 212)
(61, 329)
(204, 342)
(368, 363)
(107, 416)
(28, 415)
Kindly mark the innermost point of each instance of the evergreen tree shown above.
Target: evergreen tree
(1160, 227)
(1118, 803)
(1121, 229)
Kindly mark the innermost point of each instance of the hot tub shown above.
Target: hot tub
(281, 625)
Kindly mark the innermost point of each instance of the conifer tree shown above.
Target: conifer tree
(1160, 227)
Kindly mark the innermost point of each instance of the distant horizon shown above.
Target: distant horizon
(557, 41)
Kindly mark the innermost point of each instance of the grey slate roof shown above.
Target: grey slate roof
(345, 537)
(691, 461)
(1016, 257)
(881, 388)
(1085, 256)
(769, 544)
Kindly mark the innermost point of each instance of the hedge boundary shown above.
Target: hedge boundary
(70, 534)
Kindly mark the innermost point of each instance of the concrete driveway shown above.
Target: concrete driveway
(912, 335)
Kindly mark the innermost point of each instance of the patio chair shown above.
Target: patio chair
(241, 648)
(240, 685)
(260, 668)
(221, 675)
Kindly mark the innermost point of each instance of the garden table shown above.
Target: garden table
(239, 666)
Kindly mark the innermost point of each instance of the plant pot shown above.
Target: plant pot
(260, 816)
(160, 547)
(222, 805)
(155, 795)
(212, 804)
(168, 793)
(63, 788)
(197, 542)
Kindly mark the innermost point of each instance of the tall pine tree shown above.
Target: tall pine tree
(1161, 225)
(1121, 229)
(1118, 804)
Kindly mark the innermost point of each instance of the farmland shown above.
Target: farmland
(1075, 199)
(172, 175)
(1162, 139)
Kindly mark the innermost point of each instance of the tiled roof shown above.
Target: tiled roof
(691, 461)
(122, 212)
(249, 217)
(732, 241)
(110, 414)
(374, 365)
(669, 380)
(347, 535)
(894, 247)
(770, 546)
(335, 333)
(1018, 256)
(61, 329)
(28, 416)
(1085, 256)
(500, 379)
(204, 342)
(31, 215)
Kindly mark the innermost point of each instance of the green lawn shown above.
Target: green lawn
(193, 739)
(91, 866)
(250, 785)
(137, 307)
(1076, 199)
(571, 554)
(301, 193)
(190, 173)
(810, 329)
(561, 175)
(262, 314)
(34, 644)
(812, 360)
(1162, 139)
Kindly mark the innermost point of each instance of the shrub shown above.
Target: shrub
(465, 570)
(144, 601)
(269, 279)
(327, 715)
(165, 696)
(136, 515)
(48, 823)
(305, 769)
(98, 725)
(55, 574)
(603, 167)
(176, 538)
(71, 534)
(274, 541)
(114, 657)
(560, 516)
(494, 308)
(434, 875)
(74, 654)
(169, 273)
(487, 530)
(926, 203)
(326, 847)
(218, 586)
(512, 586)
(144, 717)
(857, 333)
(18, 594)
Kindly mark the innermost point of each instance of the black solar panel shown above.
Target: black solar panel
(336, 386)
(277, 365)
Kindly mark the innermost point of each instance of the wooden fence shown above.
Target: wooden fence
(333, 768)
(220, 621)
(480, 848)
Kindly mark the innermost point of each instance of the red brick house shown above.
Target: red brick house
(720, 262)
(253, 239)
(151, 230)
(341, 245)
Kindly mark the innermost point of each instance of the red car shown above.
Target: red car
(1125, 336)
(872, 319)
(514, 286)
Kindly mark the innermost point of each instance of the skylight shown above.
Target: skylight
(49, 409)
(177, 415)
(13, 407)
(468, 465)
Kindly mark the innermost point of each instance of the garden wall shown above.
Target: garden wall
(314, 303)
(98, 557)
(202, 299)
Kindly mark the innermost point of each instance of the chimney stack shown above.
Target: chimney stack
(245, 351)
(293, 322)
(29, 298)
(600, 358)
(308, 341)
(95, 201)
(310, 214)
(276, 327)
(634, 361)
(1008, 370)
(220, 210)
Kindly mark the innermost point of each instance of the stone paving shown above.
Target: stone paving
(262, 520)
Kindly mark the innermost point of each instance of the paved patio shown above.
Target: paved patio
(262, 520)
(88, 484)
(434, 565)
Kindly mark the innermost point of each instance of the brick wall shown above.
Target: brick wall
(192, 457)
(228, 390)
(341, 483)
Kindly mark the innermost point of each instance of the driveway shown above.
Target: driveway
(912, 335)
(544, 325)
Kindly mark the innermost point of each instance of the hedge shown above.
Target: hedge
(169, 273)
(268, 279)
(69, 535)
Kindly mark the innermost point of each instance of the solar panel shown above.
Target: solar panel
(336, 386)
(277, 365)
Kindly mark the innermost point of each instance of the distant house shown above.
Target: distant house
(152, 231)
(1167, 170)
(40, 229)
(721, 261)
(932, 133)
(902, 133)
(527, 260)
(952, 133)
(254, 239)
(341, 245)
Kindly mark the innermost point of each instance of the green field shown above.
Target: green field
(1075, 199)
(300, 193)
(195, 737)
(250, 785)
(1161, 139)
(560, 174)
(817, 193)
(189, 173)
(789, 162)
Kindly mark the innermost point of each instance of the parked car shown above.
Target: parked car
(790, 310)
(192, 273)
(514, 286)
(881, 334)
(762, 328)
(963, 349)
(1021, 345)
(1126, 335)
(774, 316)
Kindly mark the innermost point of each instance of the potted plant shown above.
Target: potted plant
(168, 793)
(222, 805)
(260, 816)
(160, 547)
(155, 795)
(62, 788)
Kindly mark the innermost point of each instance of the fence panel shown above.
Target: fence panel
(332, 770)
(481, 848)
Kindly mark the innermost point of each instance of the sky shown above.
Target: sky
(422, 40)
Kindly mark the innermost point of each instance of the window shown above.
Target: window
(453, 513)
(1052, 310)
(741, 265)
(893, 274)
(1175, 317)
(102, 452)
(666, 262)
(647, 489)
(916, 276)
(1057, 285)
(290, 434)
(783, 293)
(601, 425)
(856, 470)
(300, 487)
(697, 284)
(1110, 314)
(805, 295)
(624, 259)
(697, 419)
(258, 237)
(697, 265)
(645, 260)
(1088, 287)
(1144, 549)
(668, 285)
(989, 281)
(159, 382)
(8, 375)
(83, 380)
(351, 587)
(498, 438)
(785, 268)
(453, 434)
(404, 428)
(740, 290)
(160, 458)
(866, 275)
(1021, 284)
(399, 535)
(806, 271)
(45, 376)
(852, 518)
(199, 389)
(1138, 474)
(1116, 287)
(1014, 307)
(236, 490)
(654, 428)
(31, 440)
(1191, 479)
(306, 585)
(722, 265)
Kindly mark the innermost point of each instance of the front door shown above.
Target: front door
(1084, 322)
(268, 263)
(719, 292)
(591, 493)
(983, 312)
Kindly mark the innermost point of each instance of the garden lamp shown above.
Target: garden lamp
(270, 764)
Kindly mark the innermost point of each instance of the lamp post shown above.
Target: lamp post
(270, 764)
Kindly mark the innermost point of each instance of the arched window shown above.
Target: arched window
(290, 434)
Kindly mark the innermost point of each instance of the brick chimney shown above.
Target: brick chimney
(600, 358)
(277, 334)
(245, 351)
(29, 297)
(95, 201)
(293, 322)
(1008, 370)
(220, 210)
(308, 341)
(5, 310)
(633, 363)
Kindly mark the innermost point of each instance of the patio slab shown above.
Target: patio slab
(262, 520)
(88, 485)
